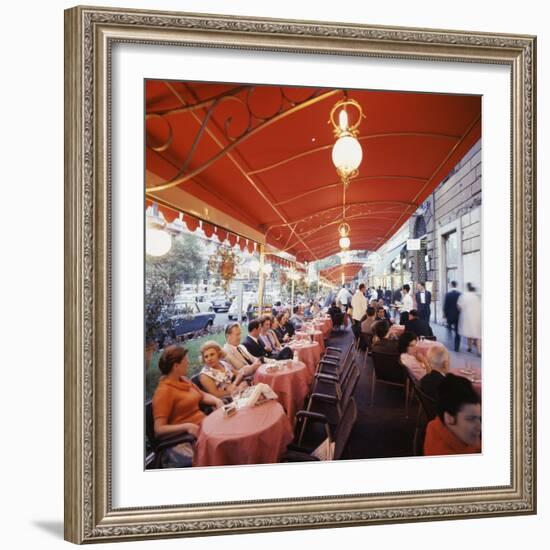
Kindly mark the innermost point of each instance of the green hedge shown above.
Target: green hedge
(153, 373)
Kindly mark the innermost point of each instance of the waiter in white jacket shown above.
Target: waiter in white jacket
(359, 309)
(406, 304)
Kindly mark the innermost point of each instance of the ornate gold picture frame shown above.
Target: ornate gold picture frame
(90, 34)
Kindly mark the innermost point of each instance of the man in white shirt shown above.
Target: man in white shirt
(406, 304)
(359, 308)
(343, 297)
(236, 353)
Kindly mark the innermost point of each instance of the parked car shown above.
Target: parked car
(220, 302)
(248, 298)
(201, 300)
(188, 318)
(249, 306)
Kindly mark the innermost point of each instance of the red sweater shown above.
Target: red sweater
(441, 441)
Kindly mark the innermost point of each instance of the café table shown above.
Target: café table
(324, 325)
(309, 353)
(396, 330)
(314, 336)
(422, 347)
(471, 372)
(290, 382)
(253, 435)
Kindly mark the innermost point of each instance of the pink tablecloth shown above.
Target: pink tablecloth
(289, 383)
(324, 325)
(255, 435)
(474, 377)
(422, 347)
(396, 330)
(314, 335)
(308, 353)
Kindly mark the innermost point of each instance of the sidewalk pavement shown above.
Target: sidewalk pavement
(458, 358)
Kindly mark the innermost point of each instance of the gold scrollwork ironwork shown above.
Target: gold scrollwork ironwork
(255, 122)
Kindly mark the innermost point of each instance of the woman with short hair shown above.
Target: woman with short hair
(218, 377)
(286, 330)
(268, 336)
(176, 400)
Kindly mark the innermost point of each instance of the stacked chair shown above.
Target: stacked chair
(332, 389)
(339, 436)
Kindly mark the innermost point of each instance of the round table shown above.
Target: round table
(290, 383)
(254, 435)
(422, 346)
(474, 377)
(324, 325)
(314, 336)
(309, 353)
(396, 330)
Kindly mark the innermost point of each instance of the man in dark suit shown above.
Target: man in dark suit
(438, 360)
(417, 326)
(256, 347)
(397, 295)
(423, 302)
(451, 312)
(382, 314)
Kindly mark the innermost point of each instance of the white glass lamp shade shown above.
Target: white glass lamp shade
(347, 153)
(157, 242)
(254, 266)
(344, 243)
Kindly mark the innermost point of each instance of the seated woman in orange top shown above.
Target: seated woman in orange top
(176, 399)
(457, 426)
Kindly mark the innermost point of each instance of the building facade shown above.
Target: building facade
(448, 226)
(441, 242)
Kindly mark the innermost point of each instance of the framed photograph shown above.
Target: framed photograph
(289, 180)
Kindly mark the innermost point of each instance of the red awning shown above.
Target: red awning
(263, 157)
(192, 223)
(334, 274)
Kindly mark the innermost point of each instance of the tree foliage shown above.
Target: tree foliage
(164, 276)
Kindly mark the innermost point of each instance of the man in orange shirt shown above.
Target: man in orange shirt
(457, 427)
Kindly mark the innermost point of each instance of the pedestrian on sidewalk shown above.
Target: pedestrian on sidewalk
(451, 312)
(469, 322)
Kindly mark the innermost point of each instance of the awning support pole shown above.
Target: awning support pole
(261, 280)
